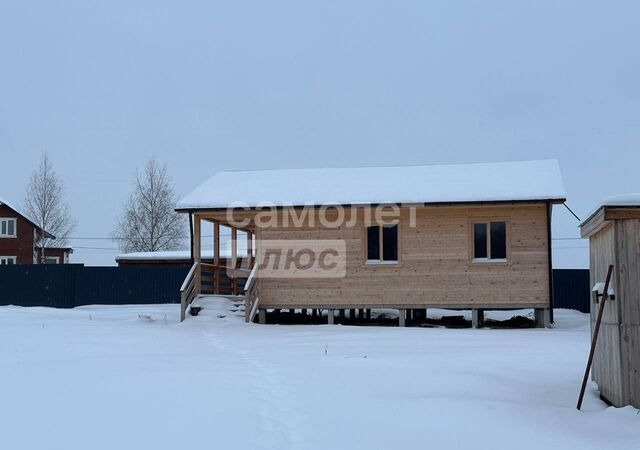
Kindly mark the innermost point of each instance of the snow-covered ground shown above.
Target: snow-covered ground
(102, 377)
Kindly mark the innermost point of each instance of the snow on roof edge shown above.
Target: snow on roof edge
(177, 255)
(538, 180)
(622, 200)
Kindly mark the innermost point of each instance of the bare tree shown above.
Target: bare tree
(46, 205)
(149, 222)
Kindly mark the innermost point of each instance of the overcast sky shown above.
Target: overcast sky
(208, 86)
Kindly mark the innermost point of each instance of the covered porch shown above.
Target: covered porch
(230, 271)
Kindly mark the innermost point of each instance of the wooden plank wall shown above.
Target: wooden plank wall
(435, 267)
(607, 359)
(628, 298)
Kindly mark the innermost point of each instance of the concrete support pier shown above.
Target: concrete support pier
(330, 316)
(542, 317)
(477, 318)
(262, 316)
(402, 317)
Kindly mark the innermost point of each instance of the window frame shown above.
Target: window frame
(507, 241)
(381, 261)
(15, 227)
(7, 258)
(56, 258)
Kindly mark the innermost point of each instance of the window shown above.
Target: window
(490, 241)
(7, 260)
(51, 260)
(382, 244)
(7, 227)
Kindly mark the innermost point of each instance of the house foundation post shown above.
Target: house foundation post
(368, 313)
(542, 317)
(402, 317)
(330, 316)
(262, 316)
(477, 317)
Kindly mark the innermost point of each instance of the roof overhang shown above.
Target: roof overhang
(554, 201)
(602, 216)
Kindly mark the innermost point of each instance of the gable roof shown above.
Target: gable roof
(431, 184)
(3, 202)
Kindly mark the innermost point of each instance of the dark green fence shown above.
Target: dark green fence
(571, 289)
(70, 285)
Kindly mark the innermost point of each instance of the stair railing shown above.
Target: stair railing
(251, 296)
(189, 289)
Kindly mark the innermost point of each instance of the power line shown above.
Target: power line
(101, 238)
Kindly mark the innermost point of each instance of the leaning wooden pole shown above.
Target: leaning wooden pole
(594, 339)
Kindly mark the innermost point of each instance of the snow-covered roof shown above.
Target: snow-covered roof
(179, 255)
(621, 200)
(25, 216)
(453, 183)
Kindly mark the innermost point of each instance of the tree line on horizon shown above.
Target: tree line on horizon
(147, 223)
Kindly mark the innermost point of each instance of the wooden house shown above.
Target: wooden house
(467, 236)
(614, 238)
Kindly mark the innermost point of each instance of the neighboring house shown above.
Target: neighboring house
(55, 255)
(19, 236)
(182, 258)
(467, 236)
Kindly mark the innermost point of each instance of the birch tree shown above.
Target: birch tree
(148, 222)
(46, 205)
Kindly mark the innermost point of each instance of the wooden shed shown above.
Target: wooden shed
(614, 238)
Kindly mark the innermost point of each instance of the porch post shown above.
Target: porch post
(216, 257)
(249, 250)
(196, 252)
(234, 260)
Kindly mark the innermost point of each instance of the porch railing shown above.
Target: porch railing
(210, 279)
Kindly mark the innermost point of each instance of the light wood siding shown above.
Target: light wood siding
(606, 363)
(614, 238)
(628, 299)
(435, 267)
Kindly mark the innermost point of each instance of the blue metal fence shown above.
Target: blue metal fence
(70, 285)
(571, 289)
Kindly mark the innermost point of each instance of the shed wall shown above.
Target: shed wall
(628, 298)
